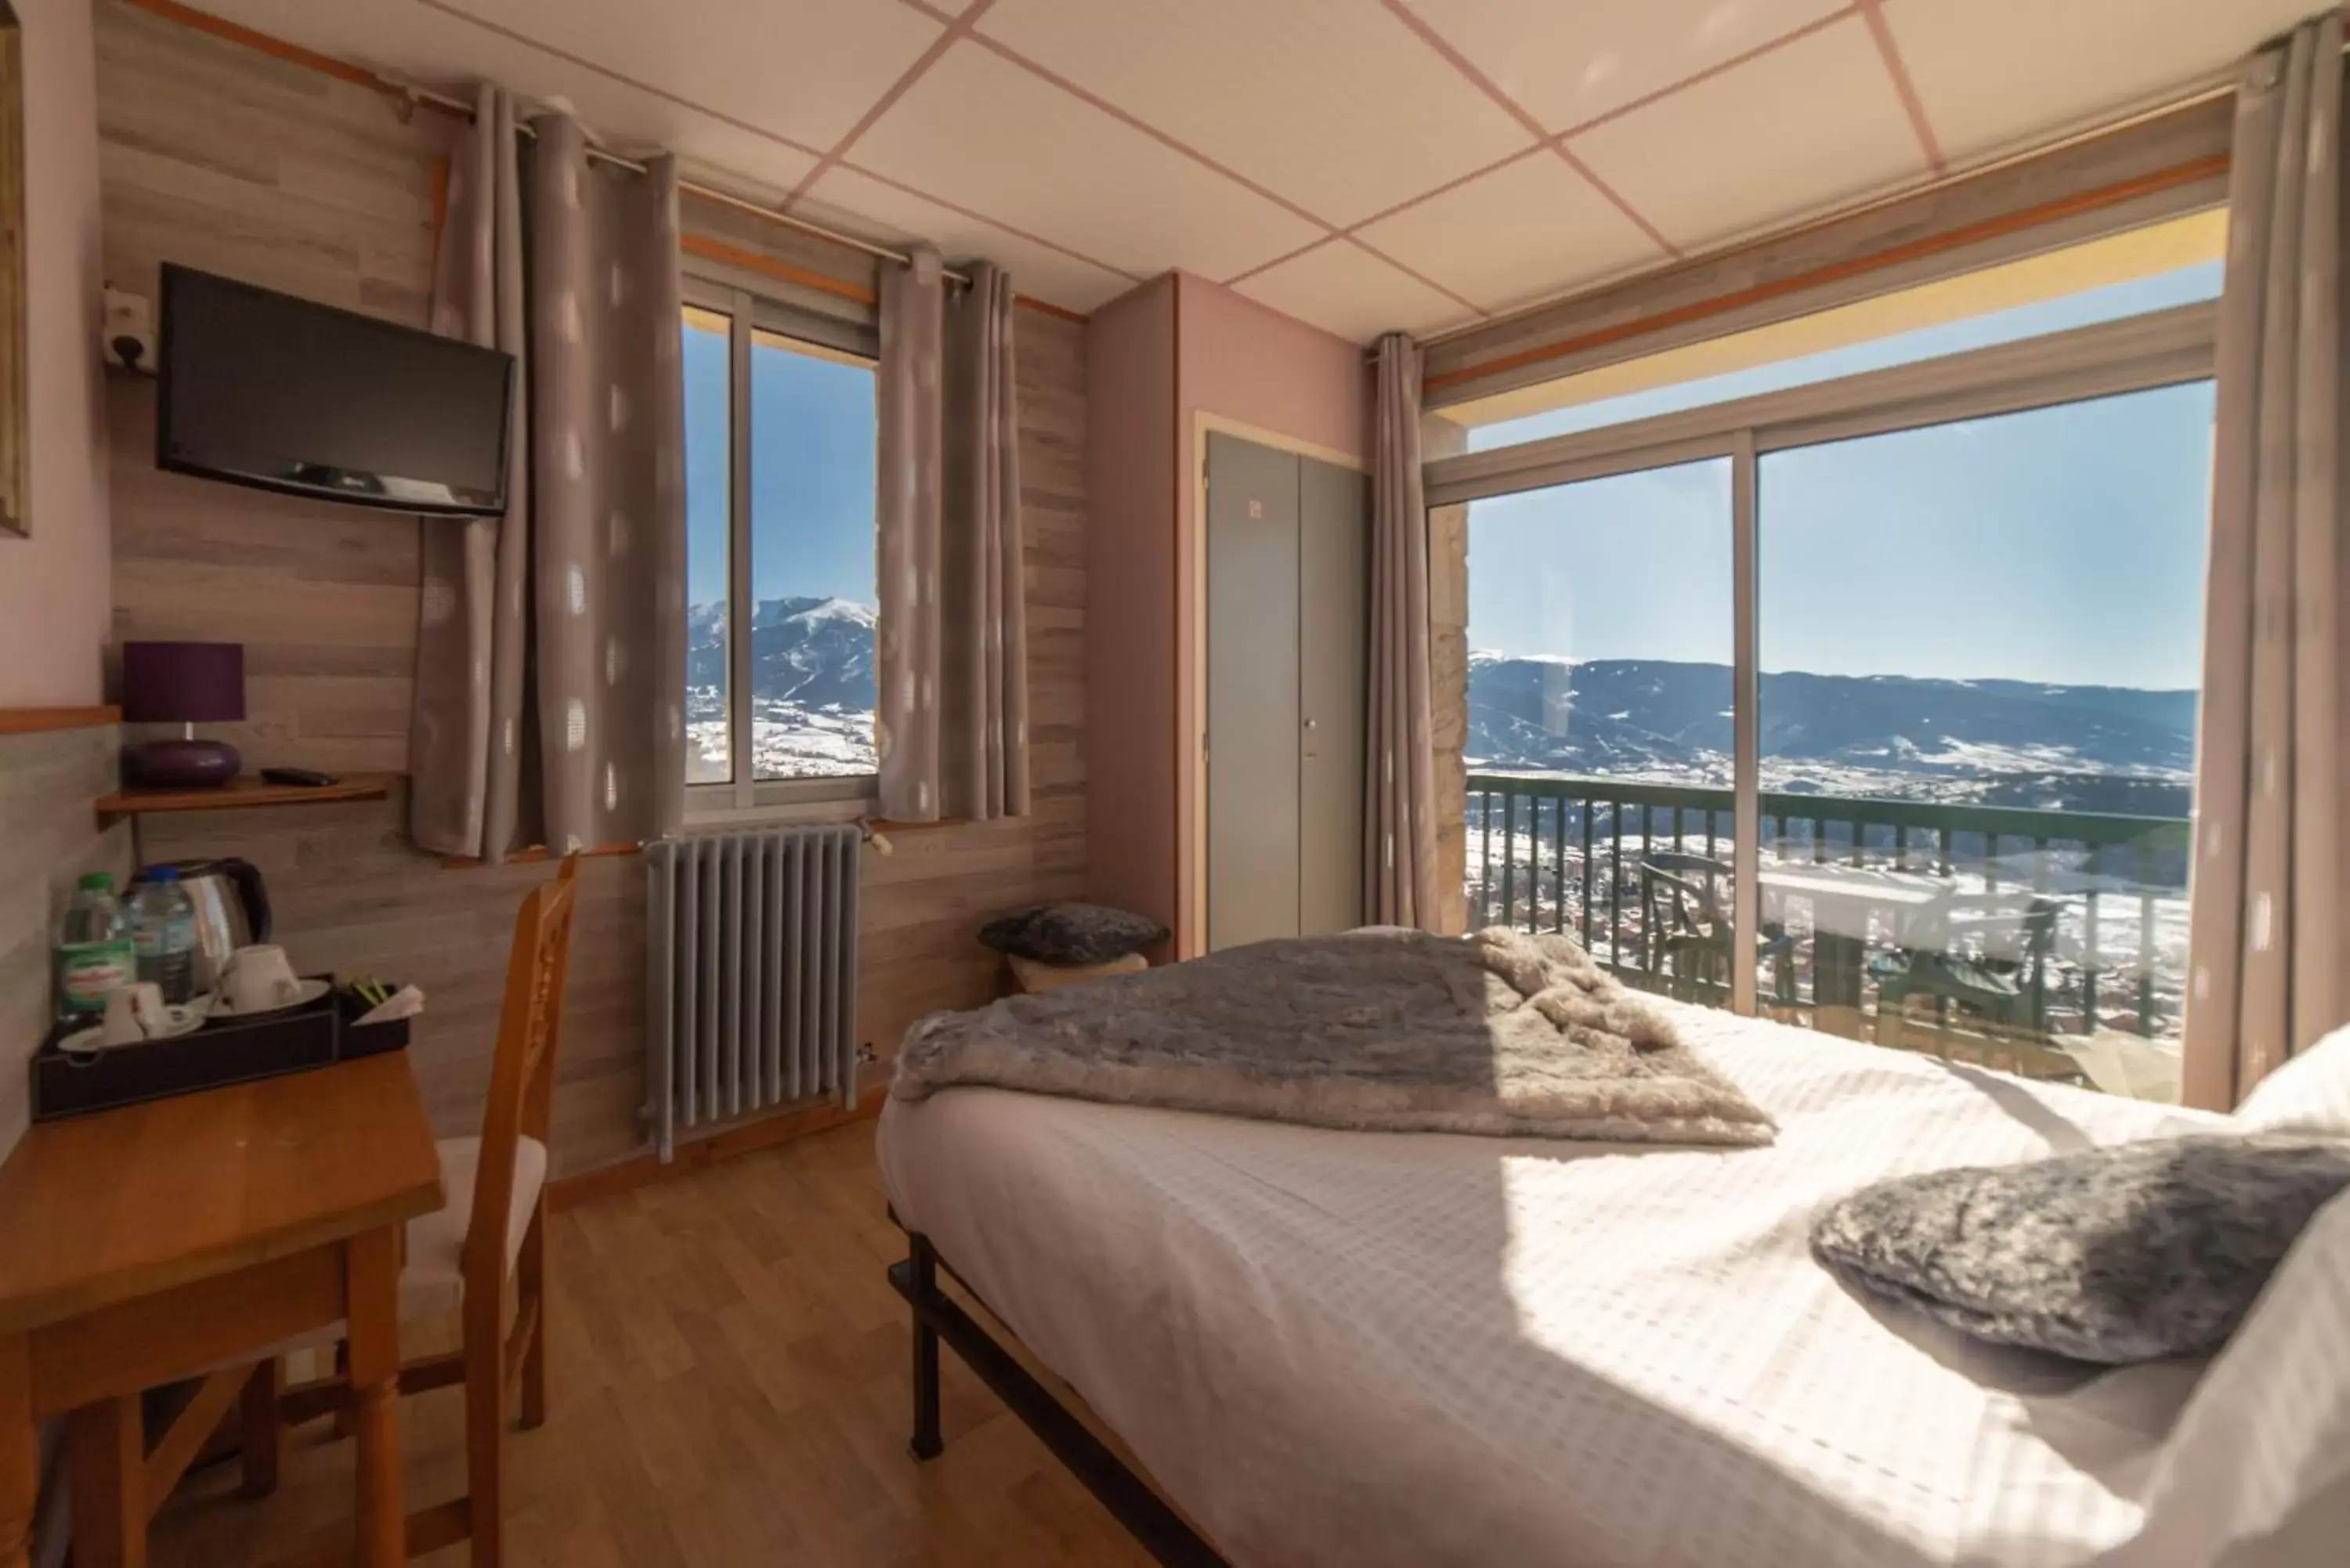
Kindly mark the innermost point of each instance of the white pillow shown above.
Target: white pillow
(2265, 1439)
(2309, 1095)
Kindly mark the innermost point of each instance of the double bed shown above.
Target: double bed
(1375, 1348)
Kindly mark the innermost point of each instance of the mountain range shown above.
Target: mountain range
(812, 687)
(815, 652)
(2000, 743)
(1995, 742)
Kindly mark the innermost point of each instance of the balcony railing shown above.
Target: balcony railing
(1566, 854)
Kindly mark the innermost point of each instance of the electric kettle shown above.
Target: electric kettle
(232, 911)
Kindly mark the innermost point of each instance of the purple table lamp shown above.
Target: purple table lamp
(184, 683)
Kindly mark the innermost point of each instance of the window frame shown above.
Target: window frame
(746, 798)
(2135, 354)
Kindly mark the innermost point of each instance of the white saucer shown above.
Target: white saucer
(186, 1018)
(311, 991)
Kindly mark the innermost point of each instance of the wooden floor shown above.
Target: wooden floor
(728, 1385)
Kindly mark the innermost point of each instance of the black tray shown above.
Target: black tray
(314, 1034)
(355, 1039)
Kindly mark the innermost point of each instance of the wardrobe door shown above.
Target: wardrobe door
(1332, 692)
(1252, 719)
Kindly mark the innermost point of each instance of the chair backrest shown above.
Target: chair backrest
(522, 1073)
(1697, 885)
(1990, 916)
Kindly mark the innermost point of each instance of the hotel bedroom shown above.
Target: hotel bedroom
(1370, 781)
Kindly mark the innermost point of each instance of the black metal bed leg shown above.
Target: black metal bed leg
(923, 1269)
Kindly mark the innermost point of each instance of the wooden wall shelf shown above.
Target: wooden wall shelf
(244, 792)
(35, 721)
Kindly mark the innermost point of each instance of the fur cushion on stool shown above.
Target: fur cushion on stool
(1072, 933)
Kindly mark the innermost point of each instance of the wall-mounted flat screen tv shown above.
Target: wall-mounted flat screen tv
(262, 389)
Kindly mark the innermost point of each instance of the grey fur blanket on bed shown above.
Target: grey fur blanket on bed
(1500, 1034)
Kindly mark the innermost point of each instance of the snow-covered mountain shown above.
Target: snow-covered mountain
(812, 687)
(2002, 742)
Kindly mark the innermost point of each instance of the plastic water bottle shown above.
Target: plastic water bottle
(163, 932)
(94, 951)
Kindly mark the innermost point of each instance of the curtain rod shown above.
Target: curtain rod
(2191, 98)
(704, 193)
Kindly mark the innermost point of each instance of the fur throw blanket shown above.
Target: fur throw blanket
(1500, 1034)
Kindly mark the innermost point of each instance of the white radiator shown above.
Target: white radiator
(750, 974)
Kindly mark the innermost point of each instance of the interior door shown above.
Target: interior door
(1334, 695)
(1252, 680)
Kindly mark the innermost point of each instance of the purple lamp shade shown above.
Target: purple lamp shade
(182, 683)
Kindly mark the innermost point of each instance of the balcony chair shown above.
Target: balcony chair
(1685, 916)
(2009, 988)
(483, 1257)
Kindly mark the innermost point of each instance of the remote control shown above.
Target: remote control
(301, 778)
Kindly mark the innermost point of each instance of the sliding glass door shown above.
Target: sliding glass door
(1980, 643)
(1599, 733)
(1869, 707)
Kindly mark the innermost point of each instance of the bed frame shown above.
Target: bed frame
(938, 1316)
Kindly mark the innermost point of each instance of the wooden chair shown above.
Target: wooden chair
(485, 1249)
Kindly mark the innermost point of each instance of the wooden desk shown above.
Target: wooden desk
(142, 1245)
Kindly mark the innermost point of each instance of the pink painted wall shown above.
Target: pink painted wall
(1243, 361)
(1130, 479)
(54, 596)
(1157, 358)
(1249, 362)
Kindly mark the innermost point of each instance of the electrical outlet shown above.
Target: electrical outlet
(866, 1054)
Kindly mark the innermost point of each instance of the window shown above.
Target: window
(1933, 632)
(780, 439)
(1600, 698)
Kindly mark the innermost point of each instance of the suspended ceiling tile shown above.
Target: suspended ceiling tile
(1530, 228)
(1568, 64)
(412, 42)
(1333, 104)
(982, 133)
(860, 204)
(1768, 141)
(1996, 72)
(1343, 288)
(804, 68)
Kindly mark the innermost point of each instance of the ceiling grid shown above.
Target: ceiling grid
(1365, 164)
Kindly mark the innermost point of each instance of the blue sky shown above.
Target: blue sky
(812, 450)
(2061, 544)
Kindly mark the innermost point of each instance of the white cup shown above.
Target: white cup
(257, 979)
(134, 1013)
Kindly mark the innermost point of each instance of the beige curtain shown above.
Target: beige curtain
(2266, 973)
(1399, 874)
(908, 401)
(469, 658)
(953, 671)
(551, 643)
(985, 761)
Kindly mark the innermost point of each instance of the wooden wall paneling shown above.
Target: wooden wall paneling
(782, 263)
(227, 158)
(48, 838)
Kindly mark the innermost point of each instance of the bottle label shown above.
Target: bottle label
(88, 970)
(157, 939)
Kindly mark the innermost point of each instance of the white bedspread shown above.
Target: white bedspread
(1370, 1348)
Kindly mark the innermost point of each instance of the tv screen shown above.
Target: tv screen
(262, 389)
